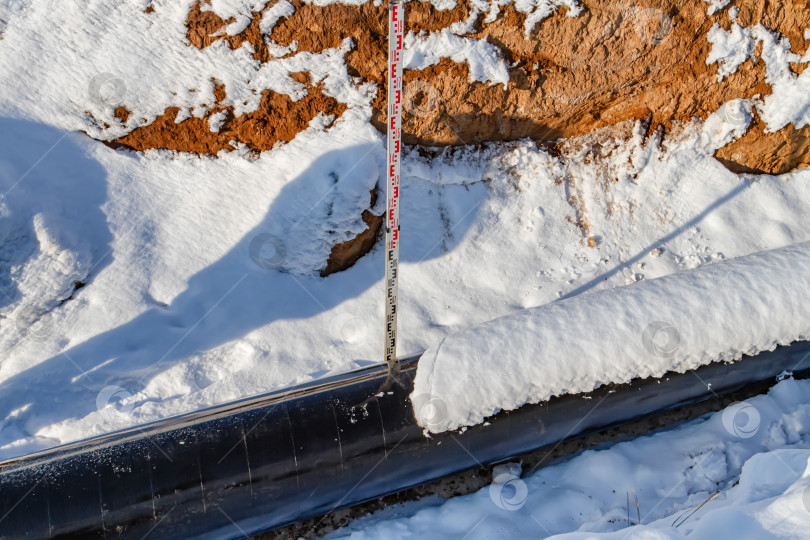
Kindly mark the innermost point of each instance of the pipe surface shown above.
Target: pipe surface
(264, 462)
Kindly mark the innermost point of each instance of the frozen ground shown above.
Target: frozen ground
(741, 473)
(138, 286)
(145, 285)
(113, 47)
(178, 310)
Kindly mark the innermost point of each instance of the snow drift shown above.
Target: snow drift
(675, 323)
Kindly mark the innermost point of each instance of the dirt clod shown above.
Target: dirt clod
(344, 255)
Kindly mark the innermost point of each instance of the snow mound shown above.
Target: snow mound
(718, 312)
(48, 245)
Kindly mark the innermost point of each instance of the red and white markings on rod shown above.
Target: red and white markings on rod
(396, 16)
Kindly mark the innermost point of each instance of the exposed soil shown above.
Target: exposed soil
(616, 61)
(202, 25)
(344, 255)
(278, 118)
(613, 62)
(758, 152)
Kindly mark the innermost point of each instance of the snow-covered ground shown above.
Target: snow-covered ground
(176, 314)
(741, 473)
(138, 286)
(179, 311)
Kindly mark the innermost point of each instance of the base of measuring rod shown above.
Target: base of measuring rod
(287, 456)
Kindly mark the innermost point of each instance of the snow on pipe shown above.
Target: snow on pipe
(267, 461)
(674, 323)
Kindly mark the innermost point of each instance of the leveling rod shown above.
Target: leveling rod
(396, 16)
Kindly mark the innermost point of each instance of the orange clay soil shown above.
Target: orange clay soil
(345, 254)
(278, 118)
(616, 61)
(611, 63)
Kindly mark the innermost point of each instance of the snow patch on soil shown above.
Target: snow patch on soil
(241, 10)
(485, 61)
(536, 11)
(789, 101)
(277, 11)
(716, 5)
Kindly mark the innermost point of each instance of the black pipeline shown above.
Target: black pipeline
(279, 458)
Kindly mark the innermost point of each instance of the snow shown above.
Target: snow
(484, 60)
(276, 12)
(751, 462)
(327, 67)
(789, 101)
(536, 11)
(716, 5)
(730, 49)
(41, 258)
(613, 336)
(777, 56)
(728, 123)
(200, 274)
(242, 11)
(216, 120)
(176, 259)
